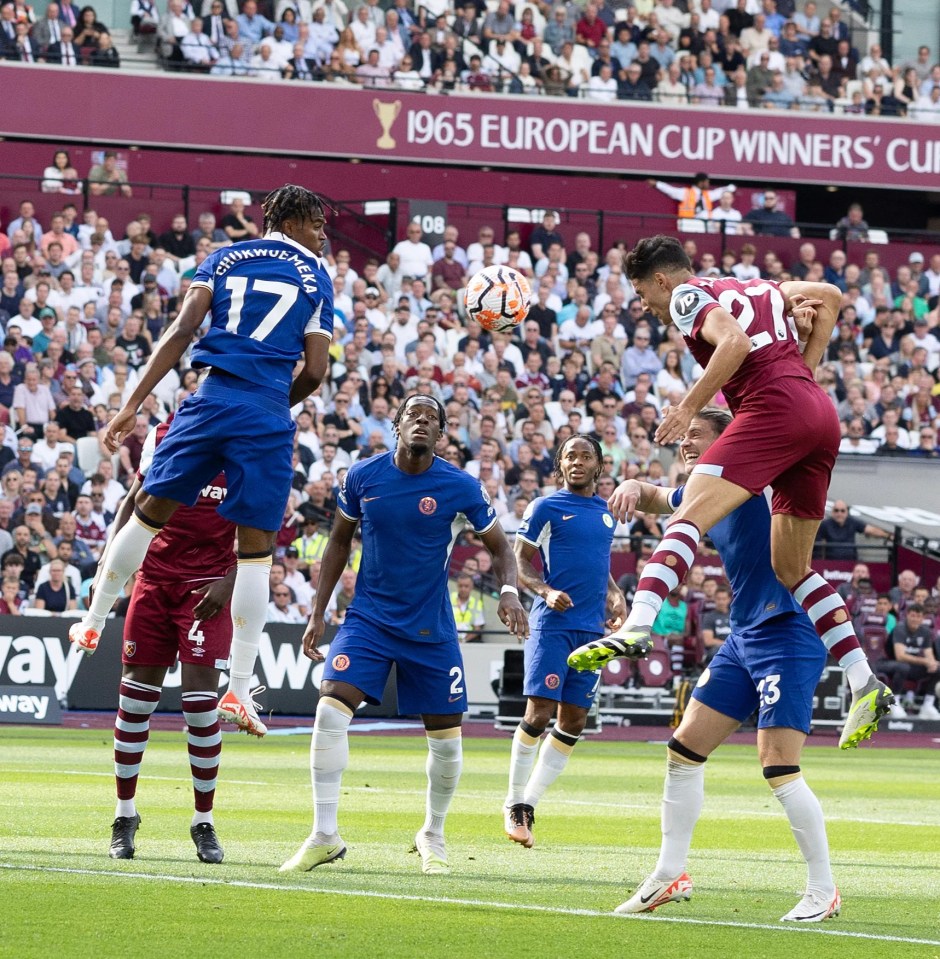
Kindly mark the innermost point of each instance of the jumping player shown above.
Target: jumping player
(572, 531)
(184, 585)
(785, 434)
(411, 505)
(771, 662)
(271, 303)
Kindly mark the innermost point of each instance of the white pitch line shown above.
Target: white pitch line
(725, 813)
(816, 929)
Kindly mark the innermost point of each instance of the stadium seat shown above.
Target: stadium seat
(656, 669)
(88, 454)
(874, 639)
(616, 673)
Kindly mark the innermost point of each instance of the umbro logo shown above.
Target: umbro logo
(569, 516)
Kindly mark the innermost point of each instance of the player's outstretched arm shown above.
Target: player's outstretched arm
(165, 357)
(529, 579)
(335, 559)
(632, 495)
(316, 356)
(732, 346)
(510, 610)
(829, 300)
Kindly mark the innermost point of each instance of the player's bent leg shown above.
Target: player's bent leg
(706, 500)
(517, 816)
(204, 744)
(702, 730)
(249, 604)
(444, 765)
(555, 751)
(123, 557)
(329, 756)
(779, 750)
(792, 539)
(138, 697)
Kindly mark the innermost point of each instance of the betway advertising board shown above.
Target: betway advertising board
(36, 659)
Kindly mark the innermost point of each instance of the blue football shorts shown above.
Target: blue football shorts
(249, 435)
(429, 676)
(547, 673)
(773, 668)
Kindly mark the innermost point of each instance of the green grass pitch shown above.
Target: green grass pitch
(597, 836)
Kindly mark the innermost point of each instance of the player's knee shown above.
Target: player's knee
(778, 775)
(538, 713)
(678, 752)
(534, 725)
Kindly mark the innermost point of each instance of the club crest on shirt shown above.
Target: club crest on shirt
(427, 505)
(552, 681)
(340, 663)
(130, 647)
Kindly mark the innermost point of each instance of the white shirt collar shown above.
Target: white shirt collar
(284, 238)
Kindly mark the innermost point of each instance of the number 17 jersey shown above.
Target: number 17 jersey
(761, 311)
(267, 296)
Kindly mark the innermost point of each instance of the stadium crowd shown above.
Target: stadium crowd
(82, 304)
(749, 54)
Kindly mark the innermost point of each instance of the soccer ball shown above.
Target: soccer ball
(498, 298)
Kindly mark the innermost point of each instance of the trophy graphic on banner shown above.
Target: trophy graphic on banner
(387, 114)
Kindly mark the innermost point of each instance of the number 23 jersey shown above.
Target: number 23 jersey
(761, 311)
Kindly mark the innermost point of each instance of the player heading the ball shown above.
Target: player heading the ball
(270, 303)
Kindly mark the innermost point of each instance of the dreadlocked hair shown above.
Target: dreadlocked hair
(290, 202)
(598, 453)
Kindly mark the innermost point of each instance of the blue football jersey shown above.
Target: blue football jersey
(742, 539)
(267, 295)
(409, 526)
(573, 535)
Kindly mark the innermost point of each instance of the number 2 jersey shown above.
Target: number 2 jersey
(196, 543)
(573, 535)
(760, 309)
(267, 296)
(409, 525)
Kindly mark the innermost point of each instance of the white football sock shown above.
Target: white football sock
(329, 756)
(553, 757)
(201, 817)
(809, 829)
(683, 796)
(249, 608)
(124, 556)
(445, 762)
(857, 674)
(125, 807)
(521, 761)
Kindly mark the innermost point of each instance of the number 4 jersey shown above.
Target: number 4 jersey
(761, 310)
(267, 296)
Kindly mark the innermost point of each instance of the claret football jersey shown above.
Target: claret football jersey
(761, 311)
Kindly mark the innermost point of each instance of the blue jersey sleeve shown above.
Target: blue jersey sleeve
(479, 510)
(536, 518)
(348, 498)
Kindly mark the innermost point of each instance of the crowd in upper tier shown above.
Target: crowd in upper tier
(745, 54)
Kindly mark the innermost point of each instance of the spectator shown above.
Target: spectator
(237, 224)
(695, 201)
(106, 178)
(913, 647)
(769, 220)
(837, 534)
(281, 608)
(852, 226)
(468, 609)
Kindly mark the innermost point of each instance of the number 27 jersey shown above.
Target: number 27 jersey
(761, 311)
